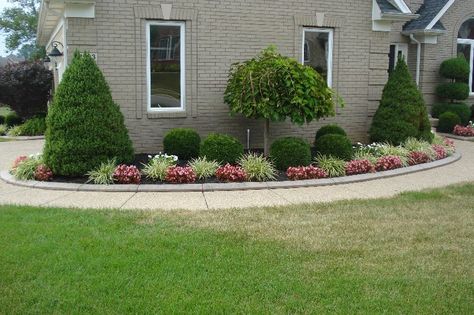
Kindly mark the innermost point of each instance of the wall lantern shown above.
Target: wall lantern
(55, 51)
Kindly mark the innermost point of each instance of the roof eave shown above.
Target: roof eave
(425, 32)
(402, 17)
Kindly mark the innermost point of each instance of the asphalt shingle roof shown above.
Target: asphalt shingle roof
(388, 6)
(427, 12)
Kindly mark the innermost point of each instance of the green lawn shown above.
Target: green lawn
(411, 254)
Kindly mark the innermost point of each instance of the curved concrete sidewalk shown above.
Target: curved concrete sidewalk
(459, 172)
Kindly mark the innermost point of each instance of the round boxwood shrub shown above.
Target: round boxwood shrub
(290, 151)
(335, 145)
(447, 121)
(402, 112)
(328, 130)
(221, 148)
(461, 109)
(12, 119)
(453, 91)
(84, 126)
(455, 68)
(182, 142)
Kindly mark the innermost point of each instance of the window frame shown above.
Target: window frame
(329, 60)
(470, 42)
(182, 52)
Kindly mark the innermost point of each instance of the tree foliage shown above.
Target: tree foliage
(25, 87)
(19, 22)
(275, 87)
(402, 111)
(84, 126)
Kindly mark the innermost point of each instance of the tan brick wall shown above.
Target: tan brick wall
(219, 33)
(434, 55)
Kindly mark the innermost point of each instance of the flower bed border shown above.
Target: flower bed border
(208, 187)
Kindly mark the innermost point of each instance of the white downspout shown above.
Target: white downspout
(418, 58)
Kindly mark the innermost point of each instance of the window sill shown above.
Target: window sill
(167, 114)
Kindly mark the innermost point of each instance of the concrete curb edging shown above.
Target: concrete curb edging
(451, 136)
(22, 138)
(8, 178)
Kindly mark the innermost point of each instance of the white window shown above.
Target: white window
(317, 51)
(166, 66)
(466, 48)
(397, 51)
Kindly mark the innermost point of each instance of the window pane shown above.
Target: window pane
(467, 30)
(465, 50)
(316, 51)
(165, 64)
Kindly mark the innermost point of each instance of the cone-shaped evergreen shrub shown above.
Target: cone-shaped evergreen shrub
(402, 112)
(84, 125)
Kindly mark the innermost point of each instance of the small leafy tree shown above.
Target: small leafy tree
(84, 126)
(25, 87)
(402, 112)
(273, 87)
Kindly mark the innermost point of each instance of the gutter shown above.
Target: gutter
(418, 58)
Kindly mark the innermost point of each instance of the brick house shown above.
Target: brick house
(167, 63)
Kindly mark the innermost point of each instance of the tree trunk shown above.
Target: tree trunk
(266, 140)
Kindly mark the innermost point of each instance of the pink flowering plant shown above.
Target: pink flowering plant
(359, 167)
(18, 161)
(418, 157)
(464, 131)
(180, 175)
(390, 162)
(305, 172)
(230, 173)
(441, 152)
(125, 174)
(43, 173)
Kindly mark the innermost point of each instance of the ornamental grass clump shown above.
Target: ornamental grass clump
(158, 166)
(26, 168)
(127, 174)
(257, 167)
(104, 174)
(415, 145)
(180, 175)
(43, 173)
(333, 167)
(203, 168)
(85, 127)
(359, 167)
(305, 172)
(391, 150)
(390, 162)
(230, 173)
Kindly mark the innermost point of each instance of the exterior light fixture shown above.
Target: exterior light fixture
(55, 51)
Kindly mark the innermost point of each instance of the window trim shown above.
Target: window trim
(469, 42)
(182, 52)
(329, 61)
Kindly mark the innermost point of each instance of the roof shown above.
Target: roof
(430, 14)
(388, 6)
